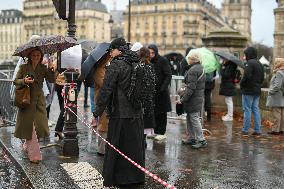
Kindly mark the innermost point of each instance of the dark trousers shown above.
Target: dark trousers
(48, 110)
(60, 120)
(161, 123)
(208, 103)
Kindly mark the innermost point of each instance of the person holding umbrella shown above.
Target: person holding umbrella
(32, 122)
(229, 74)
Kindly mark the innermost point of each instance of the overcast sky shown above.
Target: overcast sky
(262, 16)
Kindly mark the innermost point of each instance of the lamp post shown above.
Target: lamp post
(70, 141)
(205, 18)
(129, 19)
(110, 21)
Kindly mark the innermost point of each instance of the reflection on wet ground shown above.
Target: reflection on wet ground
(229, 161)
(11, 176)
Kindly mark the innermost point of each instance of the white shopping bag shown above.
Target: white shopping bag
(71, 58)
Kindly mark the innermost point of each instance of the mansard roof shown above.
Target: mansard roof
(91, 5)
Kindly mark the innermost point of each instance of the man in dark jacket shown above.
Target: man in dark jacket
(251, 89)
(162, 96)
(192, 99)
(125, 129)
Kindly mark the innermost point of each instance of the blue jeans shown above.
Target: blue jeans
(92, 96)
(251, 104)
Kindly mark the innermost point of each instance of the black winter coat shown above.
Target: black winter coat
(253, 75)
(116, 82)
(194, 91)
(227, 86)
(164, 76)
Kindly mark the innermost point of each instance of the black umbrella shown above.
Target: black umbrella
(178, 57)
(93, 58)
(230, 57)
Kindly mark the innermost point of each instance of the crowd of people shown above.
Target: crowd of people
(126, 127)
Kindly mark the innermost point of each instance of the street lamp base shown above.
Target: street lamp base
(70, 147)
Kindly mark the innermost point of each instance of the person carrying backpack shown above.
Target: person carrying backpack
(275, 98)
(227, 87)
(125, 128)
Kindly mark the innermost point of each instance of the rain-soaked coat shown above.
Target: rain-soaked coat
(125, 128)
(36, 111)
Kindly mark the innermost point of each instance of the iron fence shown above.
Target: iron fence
(7, 109)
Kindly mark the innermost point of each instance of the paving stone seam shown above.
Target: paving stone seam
(14, 159)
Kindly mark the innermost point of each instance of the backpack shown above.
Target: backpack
(141, 90)
(237, 76)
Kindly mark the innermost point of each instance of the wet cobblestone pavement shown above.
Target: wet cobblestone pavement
(11, 176)
(229, 162)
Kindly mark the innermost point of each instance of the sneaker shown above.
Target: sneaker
(227, 118)
(200, 144)
(151, 136)
(191, 142)
(160, 137)
(224, 116)
(245, 134)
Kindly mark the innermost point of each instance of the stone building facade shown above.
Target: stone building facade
(175, 25)
(10, 33)
(279, 30)
(238, 14)
(92, 20)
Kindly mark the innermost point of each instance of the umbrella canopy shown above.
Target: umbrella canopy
(230, 57)
(47, 45)
(174, 55)
(88, 45)
(96, 54)
(208, 59)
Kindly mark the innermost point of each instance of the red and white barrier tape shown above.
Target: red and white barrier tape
(155, 177)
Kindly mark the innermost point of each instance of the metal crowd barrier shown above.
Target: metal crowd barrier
(8, 111)
(176, 84)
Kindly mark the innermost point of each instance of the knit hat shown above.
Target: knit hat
(118, 43)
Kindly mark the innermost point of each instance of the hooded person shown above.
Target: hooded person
(251, 89)
(125, 128)
(162, 96)
(275, 98)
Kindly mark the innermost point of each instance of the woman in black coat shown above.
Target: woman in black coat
(162, 97)
(227, 87)
(148, 115)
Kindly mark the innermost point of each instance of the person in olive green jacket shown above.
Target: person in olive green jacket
(32, 122)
